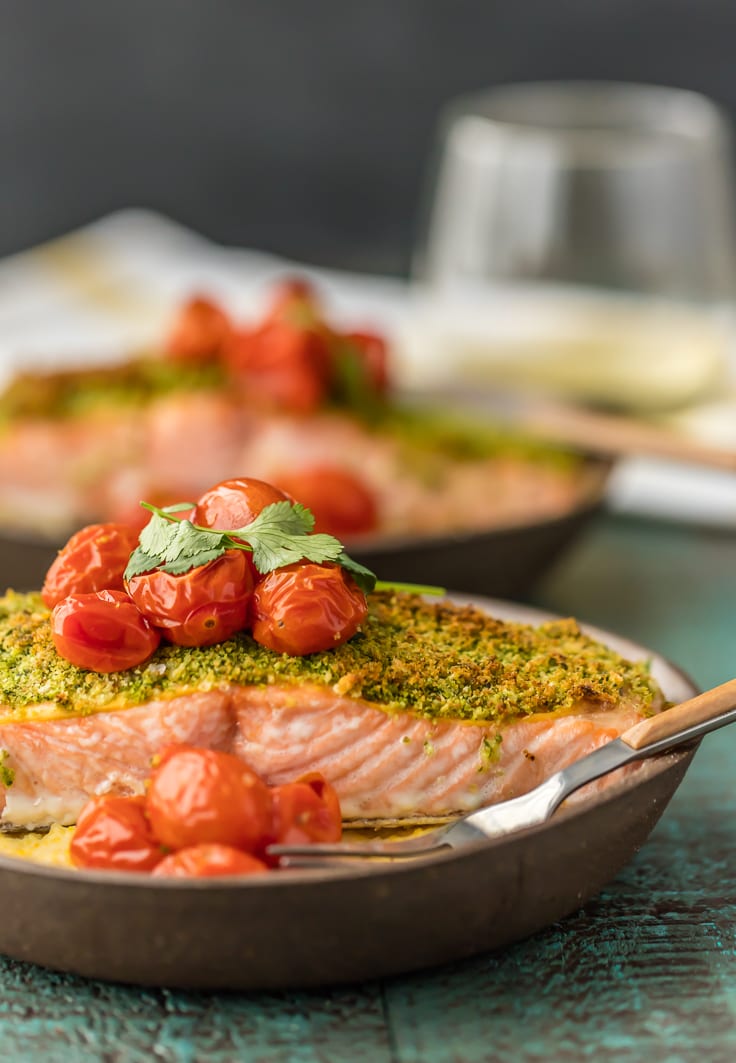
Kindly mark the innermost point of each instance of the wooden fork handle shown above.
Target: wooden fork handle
(703, 707)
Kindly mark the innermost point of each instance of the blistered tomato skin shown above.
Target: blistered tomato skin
(307, 608)
(199, 796)
(94, 559)
(200, 332)
(208, 861)
(114, 833)
(235, 503)
(206, 605)
(307, 810)
(341, 502)
(102, 632)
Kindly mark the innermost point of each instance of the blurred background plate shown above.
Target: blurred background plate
(501, 561)
(93, 296)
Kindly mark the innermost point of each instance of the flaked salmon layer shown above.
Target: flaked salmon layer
(384, 766)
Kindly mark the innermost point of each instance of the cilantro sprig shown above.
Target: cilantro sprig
(281, 534)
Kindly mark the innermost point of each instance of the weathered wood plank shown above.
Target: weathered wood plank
(48, 1018)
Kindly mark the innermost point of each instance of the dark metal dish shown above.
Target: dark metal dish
(324, 927)
(502, 561)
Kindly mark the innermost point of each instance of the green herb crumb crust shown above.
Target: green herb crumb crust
(434, 659)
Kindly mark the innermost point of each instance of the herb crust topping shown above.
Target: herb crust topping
(433, 659)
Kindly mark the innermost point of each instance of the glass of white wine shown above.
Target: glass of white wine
(578, 238)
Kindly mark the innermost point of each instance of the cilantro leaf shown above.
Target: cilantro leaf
(363, 576)
(180, 507)
(185, 564)
(174, 546)
(188, 541)
(282, 534)
(140, 561)
(278, 550)
(287, 518)
(157, 534)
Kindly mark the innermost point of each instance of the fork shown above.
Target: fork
(666, 731)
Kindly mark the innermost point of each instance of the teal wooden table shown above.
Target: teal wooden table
(647, 971)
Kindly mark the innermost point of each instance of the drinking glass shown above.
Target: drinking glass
(578, 238)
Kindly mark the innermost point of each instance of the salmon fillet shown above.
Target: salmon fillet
(432, 709)
(383, 766)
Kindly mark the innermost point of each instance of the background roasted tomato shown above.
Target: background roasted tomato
(201, 331)
(282, 365)
(341, 502)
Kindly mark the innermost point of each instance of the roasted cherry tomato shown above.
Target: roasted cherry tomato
(374, 354)
(201, 332)
(103, 632)
(295, 300)
(94, 559)
(202, 795)
(113, 832)
(206, 605)
(307, 810)
(205, 861)
(235, 503)
(341, 502)
(282, 365)
(306, 608)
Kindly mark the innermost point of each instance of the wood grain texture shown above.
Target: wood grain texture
(53, 1018)
(646, 971)
(704, 708)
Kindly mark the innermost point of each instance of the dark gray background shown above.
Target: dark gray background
(299, 126)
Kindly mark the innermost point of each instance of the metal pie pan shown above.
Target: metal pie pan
(313, 928)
